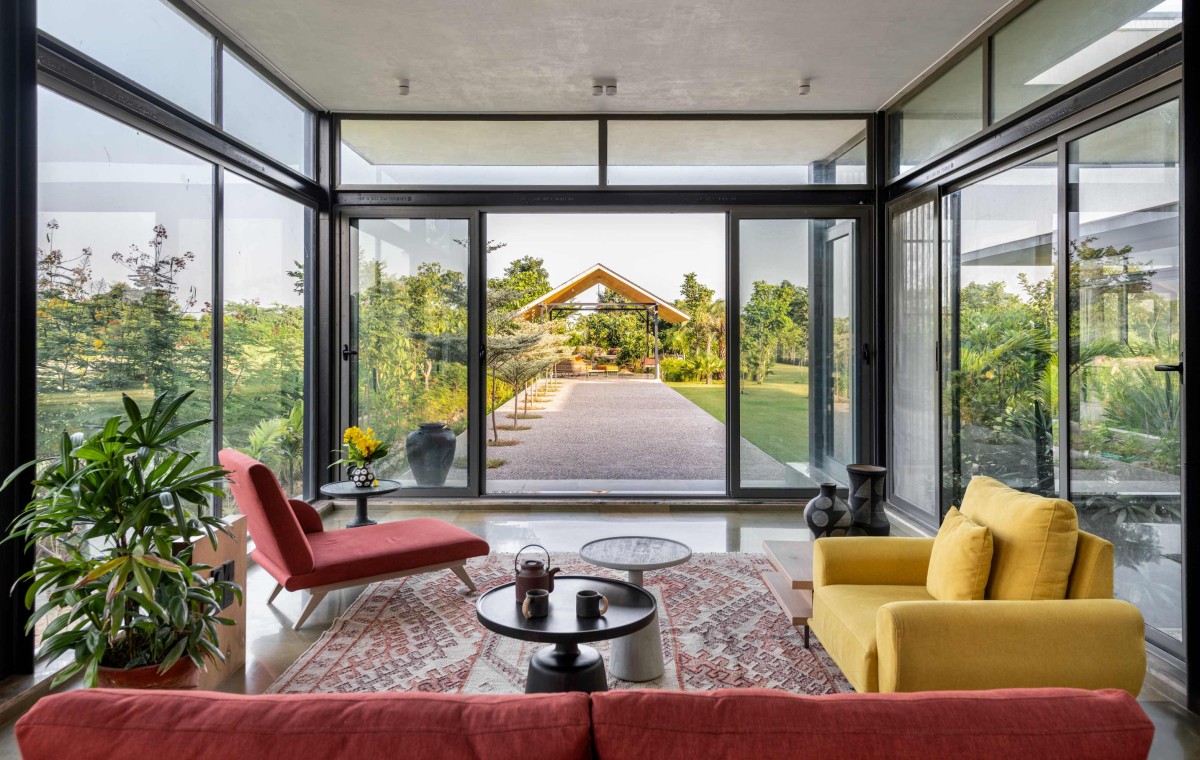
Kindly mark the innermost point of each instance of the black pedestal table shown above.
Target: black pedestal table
(568, 666)
(344, 489)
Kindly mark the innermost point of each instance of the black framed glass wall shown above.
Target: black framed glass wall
(443, 151)
(796, 325)
(130, 275)
(1000, 329)
(166, 51)
(266, 256)
(1061, 303)
(1124, 353)
(125, 287)
(1032, 55)
(149, 41)
(914, 333)
(407, 358)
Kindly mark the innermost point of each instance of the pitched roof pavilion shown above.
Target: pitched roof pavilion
(598, 274)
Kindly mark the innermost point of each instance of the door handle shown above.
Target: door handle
(347, 352)
(1169, 368)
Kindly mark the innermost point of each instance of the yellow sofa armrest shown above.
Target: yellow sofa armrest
(1080, 643)
(871, 561)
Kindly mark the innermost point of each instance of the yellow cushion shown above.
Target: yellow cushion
(844, 621)
(961, 560)
(1033, 540)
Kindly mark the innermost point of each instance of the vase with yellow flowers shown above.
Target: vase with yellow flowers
(360, 448)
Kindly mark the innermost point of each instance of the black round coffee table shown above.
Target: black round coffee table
(346, 489)
(567, 666)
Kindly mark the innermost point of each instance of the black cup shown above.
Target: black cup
(589, 604)
(536, 604)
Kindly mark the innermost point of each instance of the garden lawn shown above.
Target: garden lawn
(774, 414)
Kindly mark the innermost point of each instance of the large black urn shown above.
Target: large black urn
(430, 452)
(866, 499)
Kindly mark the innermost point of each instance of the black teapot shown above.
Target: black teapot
(533, 573)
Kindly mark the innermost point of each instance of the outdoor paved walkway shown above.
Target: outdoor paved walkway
(632, 433)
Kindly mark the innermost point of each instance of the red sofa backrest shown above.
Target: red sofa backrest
(1004, 724)
(193, 725)
(273, 524)
(622, 725)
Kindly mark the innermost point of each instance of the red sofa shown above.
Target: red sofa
(739, 723)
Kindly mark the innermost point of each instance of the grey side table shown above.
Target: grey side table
(638, 656)
(345, 489)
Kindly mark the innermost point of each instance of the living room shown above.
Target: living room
(670, 380)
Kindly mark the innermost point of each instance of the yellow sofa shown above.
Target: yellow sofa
(873, 614)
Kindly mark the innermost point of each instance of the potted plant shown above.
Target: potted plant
(124, 506)
(360, 449)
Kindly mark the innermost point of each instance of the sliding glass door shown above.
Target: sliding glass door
(795, 327)
(407, 352)
(1124, 353)
(913, 331)
(1061, 300)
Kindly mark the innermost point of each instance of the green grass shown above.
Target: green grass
(774, 414)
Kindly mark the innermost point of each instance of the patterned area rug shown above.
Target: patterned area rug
(721, 629)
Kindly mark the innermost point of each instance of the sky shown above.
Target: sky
(652, 250)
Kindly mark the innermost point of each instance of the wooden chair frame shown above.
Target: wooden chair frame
(458, 567)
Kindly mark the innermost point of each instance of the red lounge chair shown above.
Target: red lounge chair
(291, 544)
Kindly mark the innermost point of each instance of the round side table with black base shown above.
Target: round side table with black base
(344, 489)
(567, 666)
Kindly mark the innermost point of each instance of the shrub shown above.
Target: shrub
(675, 370)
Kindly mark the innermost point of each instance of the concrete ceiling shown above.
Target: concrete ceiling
(543, 55)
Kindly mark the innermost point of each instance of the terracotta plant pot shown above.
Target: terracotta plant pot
(182, 675)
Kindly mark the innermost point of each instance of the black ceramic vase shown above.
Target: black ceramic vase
(362, 477)
(866, 499)
(430, 452)
(826, 514)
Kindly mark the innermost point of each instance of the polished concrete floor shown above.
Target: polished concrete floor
(272, 645)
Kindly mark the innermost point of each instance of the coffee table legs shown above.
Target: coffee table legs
(566, 667)
(360, 513)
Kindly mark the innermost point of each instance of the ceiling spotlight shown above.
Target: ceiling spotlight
(604, 87)
(402, 86)
(597, 89)
(610, 89)
(804, 87)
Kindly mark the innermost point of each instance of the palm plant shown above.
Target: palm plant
(706, 365)
(124, 506)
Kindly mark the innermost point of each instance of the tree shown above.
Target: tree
(764, 319)
(534, 347)
(793, 341)
(702, 337)
(524, 280)
(157, 312)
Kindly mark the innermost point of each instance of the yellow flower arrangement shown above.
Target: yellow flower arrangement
(361, 447)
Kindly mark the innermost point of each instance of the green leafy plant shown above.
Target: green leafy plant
(124, 506)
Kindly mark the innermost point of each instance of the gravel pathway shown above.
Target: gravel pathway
(620, 429)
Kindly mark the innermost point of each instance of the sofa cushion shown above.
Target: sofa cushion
(770, 725)
(960, 561)
(844, 619)
(390, 547)
(1033, 540)
(105, 724)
